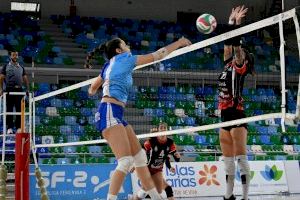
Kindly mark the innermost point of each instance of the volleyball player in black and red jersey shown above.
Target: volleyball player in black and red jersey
(233, 139)
(158, 150)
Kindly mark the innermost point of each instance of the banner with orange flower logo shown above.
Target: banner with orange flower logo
(193, 179)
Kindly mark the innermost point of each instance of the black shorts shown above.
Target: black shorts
(229, 114)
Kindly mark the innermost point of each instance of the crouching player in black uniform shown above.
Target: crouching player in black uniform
(158, 150)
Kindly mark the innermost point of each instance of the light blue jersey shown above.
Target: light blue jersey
(117, 76)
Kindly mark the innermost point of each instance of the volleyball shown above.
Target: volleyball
(206, 23)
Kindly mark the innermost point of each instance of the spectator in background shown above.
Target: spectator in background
(14, 76)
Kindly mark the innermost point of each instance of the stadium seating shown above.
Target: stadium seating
(22, 33)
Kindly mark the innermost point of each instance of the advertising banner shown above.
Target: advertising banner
(77, 182)
(193, 179)
(208, 178)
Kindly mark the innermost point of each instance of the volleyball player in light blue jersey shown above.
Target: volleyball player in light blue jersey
(116, 79)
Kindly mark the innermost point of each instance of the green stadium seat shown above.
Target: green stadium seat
(276, 139)
(140, 104)
(290, 157)
(103, 159)
(89, 104)
(270, 157)
(91, 160)
(213, 139)
(157, 120)
(211, 158)
(171, 121)
(76, 161)
(200, 159)
(260, 157)
(55, 150)
(82, 149)
(106, 149)
(51, 161)
(169, 112)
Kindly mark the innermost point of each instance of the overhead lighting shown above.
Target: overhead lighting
(27, 7)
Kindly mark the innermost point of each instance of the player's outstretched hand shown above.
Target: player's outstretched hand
(240, 15)
(183, 42)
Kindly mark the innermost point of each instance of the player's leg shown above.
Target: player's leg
(168, 190)
(140, 162)
(121, 149)
(228, 154)
(239, 137)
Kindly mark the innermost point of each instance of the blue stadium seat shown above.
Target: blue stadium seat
(148, 112)
(86, 112)
(171, 90)
(190, 121)
(263, 130)
(159, 112)
(265, 139)
(69, 149)
(91, 120)
(63, 161)
(272, 130)
(56, 103)
(200, 139)
(78, 130)
(58, 61)
(170, 104)
(280, 157)
(73, 138)
(65, 129)
(67, 103)
(70, 120)
(285, 139)
(200, 112)
(94, 149)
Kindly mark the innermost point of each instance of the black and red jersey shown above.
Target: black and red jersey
(230, 85)
(158, 153)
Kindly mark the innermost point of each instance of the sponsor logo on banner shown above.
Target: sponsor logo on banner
(271, 173)
(209, 175)
(208, 179)
(192, 179)
(77, 182)
(238, 175)
(268, 177)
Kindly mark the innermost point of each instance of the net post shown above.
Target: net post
(22, 159)
(283, 75)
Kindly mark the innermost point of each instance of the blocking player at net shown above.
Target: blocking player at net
(233, 139)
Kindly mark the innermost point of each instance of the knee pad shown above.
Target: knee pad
(229, 165)
(169, 191)
(124, 164)
(140, 159)
(141, 194)
(243, 163)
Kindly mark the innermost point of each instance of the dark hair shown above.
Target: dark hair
(107, 49)
(250, 58)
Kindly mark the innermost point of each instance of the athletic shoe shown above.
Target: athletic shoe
(232, 197)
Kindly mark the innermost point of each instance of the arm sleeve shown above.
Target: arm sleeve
(168, 164)
(3, 70)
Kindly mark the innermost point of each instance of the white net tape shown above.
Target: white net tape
(246, 29)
